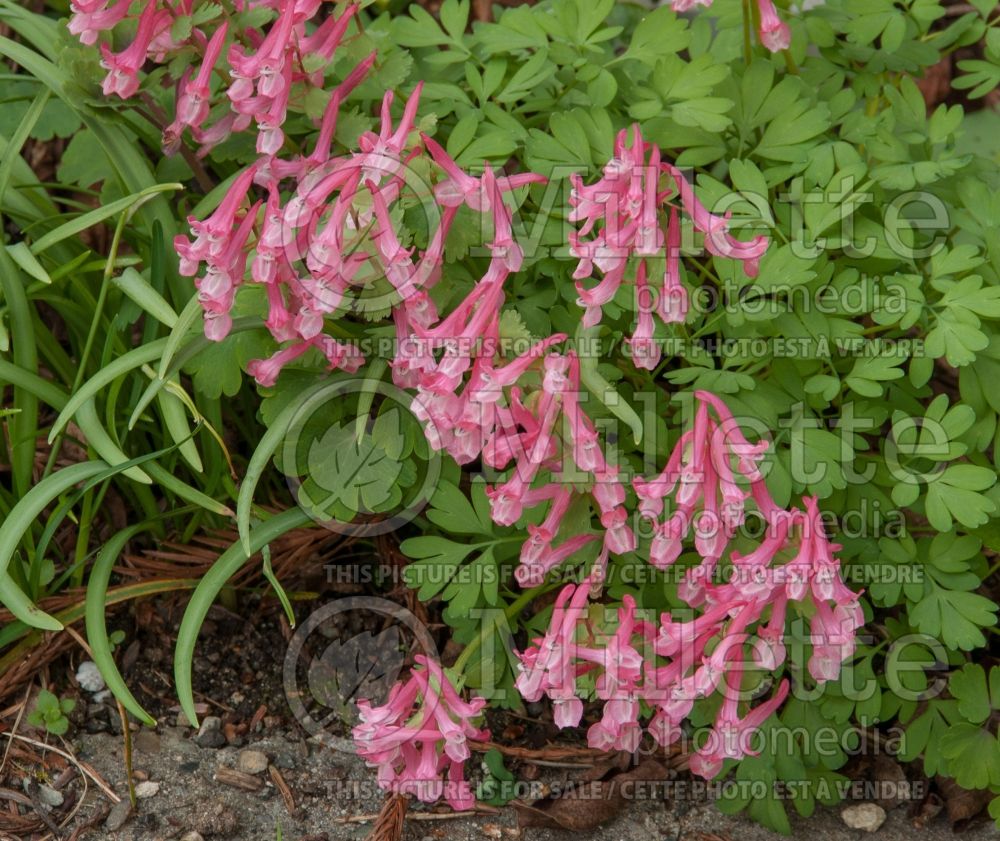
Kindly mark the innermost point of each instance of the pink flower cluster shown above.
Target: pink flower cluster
(623, 213)
(772, 31)
(262, 71)
(669, 665)
(418, 739)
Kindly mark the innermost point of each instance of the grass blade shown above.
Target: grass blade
(97, 631)
(208, 588)
(21, 518)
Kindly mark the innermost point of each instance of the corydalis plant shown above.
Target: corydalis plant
(320, 232)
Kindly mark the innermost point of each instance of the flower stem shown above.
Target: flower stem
(747, 26)
(490, 624)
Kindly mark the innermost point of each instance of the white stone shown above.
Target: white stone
(147, 788)
(868, 817)
(89, 677)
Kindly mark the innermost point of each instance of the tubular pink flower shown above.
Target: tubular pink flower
(123, 68)
(266, 371)
(643, 347)
(732, 735)
(672, 304)
(418, 738)
(718, 240)
(193, 96)
(774, 34)
(91, 17)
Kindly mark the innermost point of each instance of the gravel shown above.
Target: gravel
(329, 786)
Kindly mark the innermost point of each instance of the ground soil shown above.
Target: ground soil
(305, 791)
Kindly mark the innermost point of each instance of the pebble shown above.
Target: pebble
(865, 816)
(119, 814)
(192, 836)
(210, 734)
(147, 788)
(251, 762)
(89, 677)
(49, 796)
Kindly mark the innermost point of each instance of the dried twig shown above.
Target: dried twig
(17, 722)
(284, 790)
(390, 820)
(424, 816)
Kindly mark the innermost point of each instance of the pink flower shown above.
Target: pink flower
(123, 68)
(193, 98)
(461, 188)
(672, 304)
(213, 235)
(504, 249)
(642, 345)
(91, 17)
(687, 5)
(732, 736)
(718, 240)
(773, 33)
(382, 151)
(418, 739)
(266, 371)
(547, 666)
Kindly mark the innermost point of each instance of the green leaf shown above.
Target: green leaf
(95, 615)
(141, 291)
(451, 510)
(659, 32)
(955, 493)
(455, 17)
(968, 686)
(973, 755)
(361, 474)
(209, 587)
(954, 617)
(437, 561)
(870, 372)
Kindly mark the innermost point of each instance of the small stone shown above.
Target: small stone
(89, 677)
(147, 788)
(49, 796)
(210, 734)
(492, 830)
(865, 816)
(192, 836)
(120, 813)
(251, 762)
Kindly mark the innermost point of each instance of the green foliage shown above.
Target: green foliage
(50, 712)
